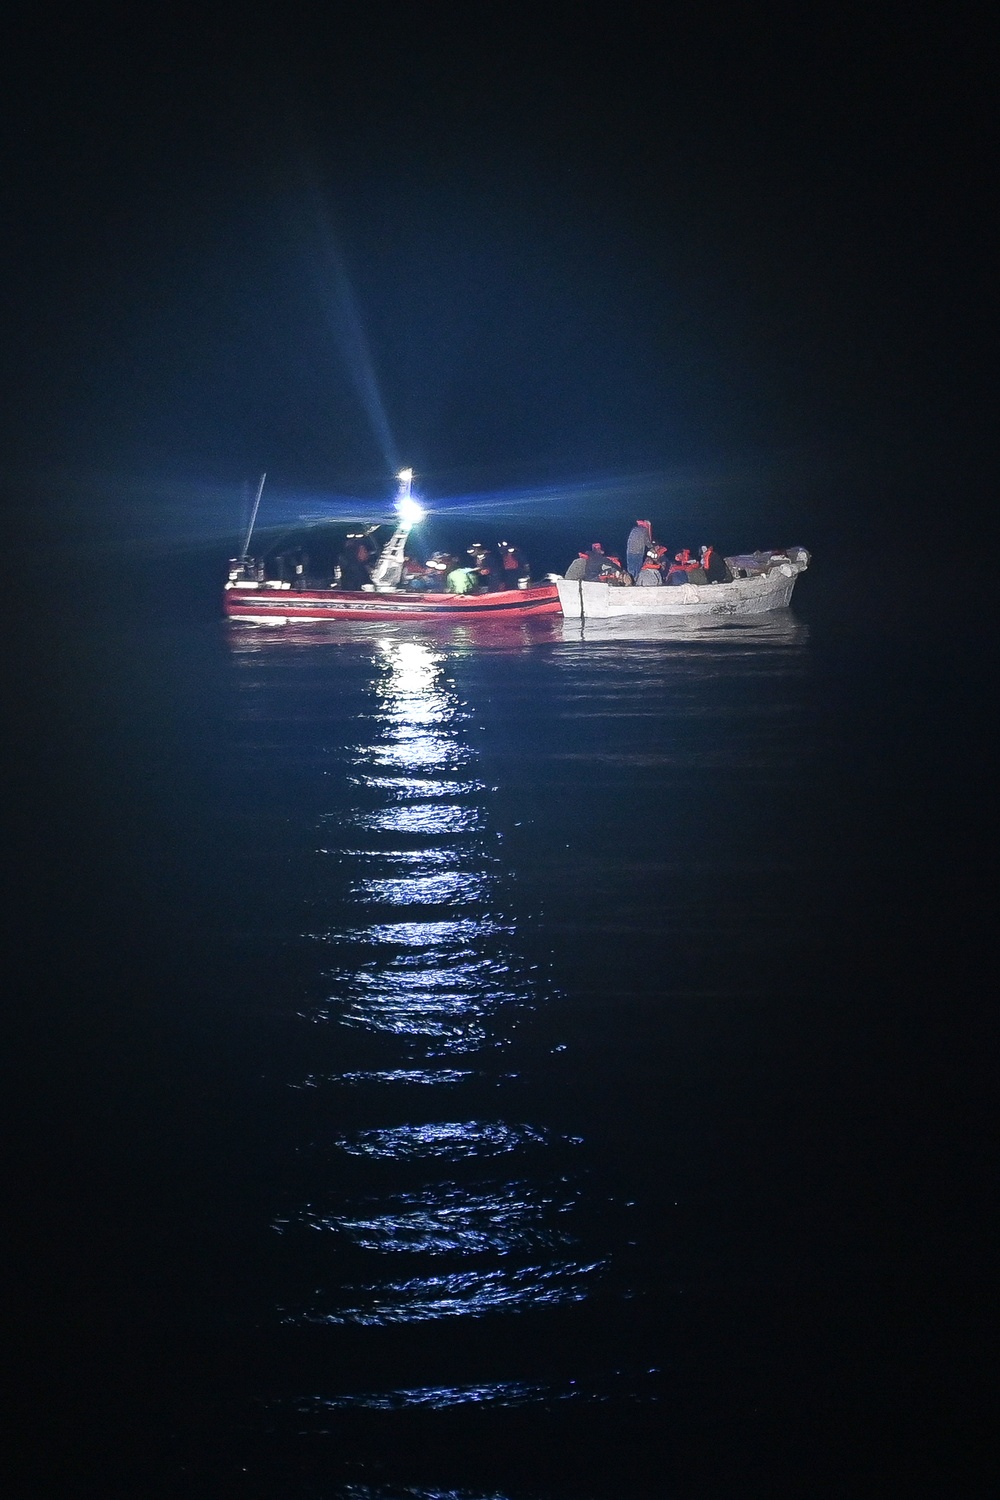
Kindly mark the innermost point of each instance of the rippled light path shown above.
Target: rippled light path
(511, 904)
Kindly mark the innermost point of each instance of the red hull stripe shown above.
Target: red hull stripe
(348, 606)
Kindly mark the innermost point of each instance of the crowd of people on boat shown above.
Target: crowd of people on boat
(649, 564)
(484, 570)
(490, 569)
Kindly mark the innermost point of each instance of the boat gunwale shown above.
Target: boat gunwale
(396, 604)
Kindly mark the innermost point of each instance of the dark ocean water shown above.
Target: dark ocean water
(498, 1064)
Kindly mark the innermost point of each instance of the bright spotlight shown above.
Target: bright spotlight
(406, 475)
(409, 511)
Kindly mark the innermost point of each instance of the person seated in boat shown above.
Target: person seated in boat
(516, 569)
(680, 568)
(597, 562)
(439, 565)
(487, 564)
(354, 561)
(602, 567)
(577, 568)
(462, 580)
(414, 574)
(715, 565)
(649, 575)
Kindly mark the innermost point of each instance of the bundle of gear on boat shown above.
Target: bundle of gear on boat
(649, 564)
(483, 569)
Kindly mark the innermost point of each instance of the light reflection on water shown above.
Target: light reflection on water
(441, 858)
(418, 749)
(429, 1239)
(417, 990)
(442, 937)
(403, 787)
(500, 1393)
(451, 1219)
(435, 1077)
(453, 1139)
(410, 995)
(424, 890)
(411, 1492)
(463, 1294)
(419, 817)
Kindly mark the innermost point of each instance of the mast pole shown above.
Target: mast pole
(253, 519)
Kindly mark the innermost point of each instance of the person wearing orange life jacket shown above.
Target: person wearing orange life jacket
(649, 575)
(715, 565)
(516, 569)
(603, 567)
(598, 562)
(696, 572)
(681, 566)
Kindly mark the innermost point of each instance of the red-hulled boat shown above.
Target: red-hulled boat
(250, 596)
(275, 603)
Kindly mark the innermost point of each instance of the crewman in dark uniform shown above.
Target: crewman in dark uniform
(487, 564)
(355, 561)
(298, 565)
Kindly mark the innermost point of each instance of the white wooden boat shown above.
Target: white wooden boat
(761, 581)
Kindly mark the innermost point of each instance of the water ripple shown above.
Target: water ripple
(434, 1076)
(412, 1492)
(465, 1294)
(420, 817)
(414, 787)
(449, 858)
(451, 937)
(428, 750)
(424, 890)
(436, 1398)
(452, 1139)
(450, 1220)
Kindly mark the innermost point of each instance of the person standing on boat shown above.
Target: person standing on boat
(355, 561)
(640, 539)
(487, 564)
(298, 563)
(516, 568)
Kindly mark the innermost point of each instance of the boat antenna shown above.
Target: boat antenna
(253, 518)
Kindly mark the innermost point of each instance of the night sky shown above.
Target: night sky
(510, 247)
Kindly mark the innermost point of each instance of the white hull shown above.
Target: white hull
(757, 595)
